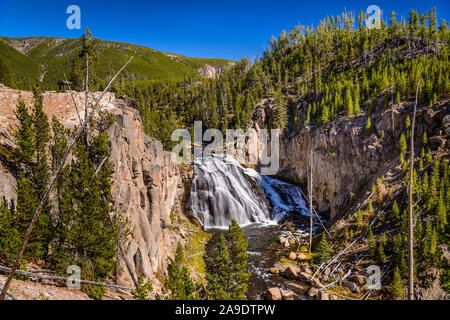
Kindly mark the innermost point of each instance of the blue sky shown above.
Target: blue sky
(213, 29)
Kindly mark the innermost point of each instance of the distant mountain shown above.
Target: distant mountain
(46, 59)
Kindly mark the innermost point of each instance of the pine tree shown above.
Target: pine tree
(348, 103)
(41, 129)
(308, 114)
(402, 144)
(424, 139)
(10, 238)
(372, 243)
(381, 255)
(325, 115)
(280, 119)
(369, 127)
(356, 109)
(238, 256)
(400, 254)
(397, 284)
(5, 74)
(24, 134)
(179, 280)
(442, 215)
(143, 289)
(27, 203)
(323, 252)
(219, 275)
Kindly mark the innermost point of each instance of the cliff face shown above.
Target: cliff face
(149, 182)
(148, 178)
(346, 160)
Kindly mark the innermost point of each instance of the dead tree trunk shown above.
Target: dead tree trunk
(44, 199)
(410, 204)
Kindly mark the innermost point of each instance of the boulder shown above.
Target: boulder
(287, 295)
(284, 242)
(292, 256)
(290, 226)
(274, 270)
(273, 294)
(428, 116)
(359, 279)
(313, 292)
(302, 257)
(290, 272)
(307, 270)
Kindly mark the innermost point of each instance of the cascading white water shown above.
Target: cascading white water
(222, 190)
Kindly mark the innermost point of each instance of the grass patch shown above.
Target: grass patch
(195, 249)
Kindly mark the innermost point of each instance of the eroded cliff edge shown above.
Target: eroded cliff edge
(148, 186)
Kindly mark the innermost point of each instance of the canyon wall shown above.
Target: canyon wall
(147, 177)
(347, 160)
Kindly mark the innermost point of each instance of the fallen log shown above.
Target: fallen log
(58, 278)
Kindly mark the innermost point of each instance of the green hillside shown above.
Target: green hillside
(48, 59)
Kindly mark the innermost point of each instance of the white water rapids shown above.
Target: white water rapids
(223, 190)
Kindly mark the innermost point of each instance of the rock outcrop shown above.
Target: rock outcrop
(150, 184)
(346, 160)
(149, 179)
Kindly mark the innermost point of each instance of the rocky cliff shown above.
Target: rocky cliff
(147, 182)
(347, 160)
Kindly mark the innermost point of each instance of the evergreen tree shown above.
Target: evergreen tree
(372, 243)
(369, 127)
(219, 274)
(323, 252)
(280, 119)
(143, 289)
(179, 281)
(442, 215)
(348, 103)
(396, 211)
(27, 203)
(10, 238)
(238, 256)
(41, 130)
(397, 284)
(23, 134)
(356, 108)
(5, 74)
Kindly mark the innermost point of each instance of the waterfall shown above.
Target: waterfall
(223, 190)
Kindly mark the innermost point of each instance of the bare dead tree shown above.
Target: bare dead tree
(44, 199)
(410, 203)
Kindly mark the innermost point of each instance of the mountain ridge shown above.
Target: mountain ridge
(47, 58)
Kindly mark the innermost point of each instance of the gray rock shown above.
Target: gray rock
(313, 292)
(323, 295)
(350, 285)
(291, 272)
